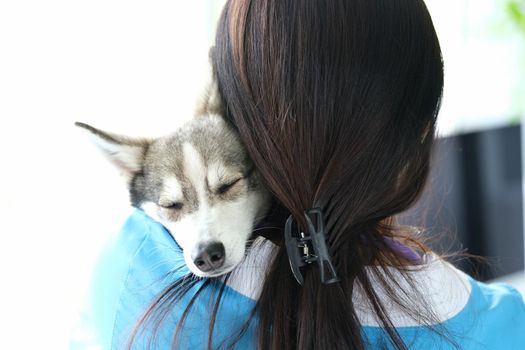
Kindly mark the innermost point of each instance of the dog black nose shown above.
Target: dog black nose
(208, 257)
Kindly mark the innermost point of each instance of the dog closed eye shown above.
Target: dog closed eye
(226, 187)
(174, 206)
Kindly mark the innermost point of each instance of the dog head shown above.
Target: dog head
(199, 183)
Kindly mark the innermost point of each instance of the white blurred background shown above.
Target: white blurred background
(134, 67)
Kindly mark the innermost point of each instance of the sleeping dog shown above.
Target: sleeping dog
(198, 182)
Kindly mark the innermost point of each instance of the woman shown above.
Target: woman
(336, 103)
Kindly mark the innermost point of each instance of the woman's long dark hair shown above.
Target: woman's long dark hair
(336, 103)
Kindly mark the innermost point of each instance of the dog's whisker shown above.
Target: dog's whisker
(266, 228)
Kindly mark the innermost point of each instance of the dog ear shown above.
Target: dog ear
(210, 100)
(126, 153)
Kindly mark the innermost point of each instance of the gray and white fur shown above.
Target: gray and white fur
(198, 182)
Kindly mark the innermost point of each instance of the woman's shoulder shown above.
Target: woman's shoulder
(135, 267)
(142, 248)
(499, 295)
(142, 244)
(443, 287)
(136, 229)
(470, 314)
(495, 316)
(130, 270)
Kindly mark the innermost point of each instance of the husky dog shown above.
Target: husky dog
(198, 182)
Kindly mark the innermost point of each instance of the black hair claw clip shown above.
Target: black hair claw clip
(305, 249)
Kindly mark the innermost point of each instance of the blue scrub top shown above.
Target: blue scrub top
(137, 266)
